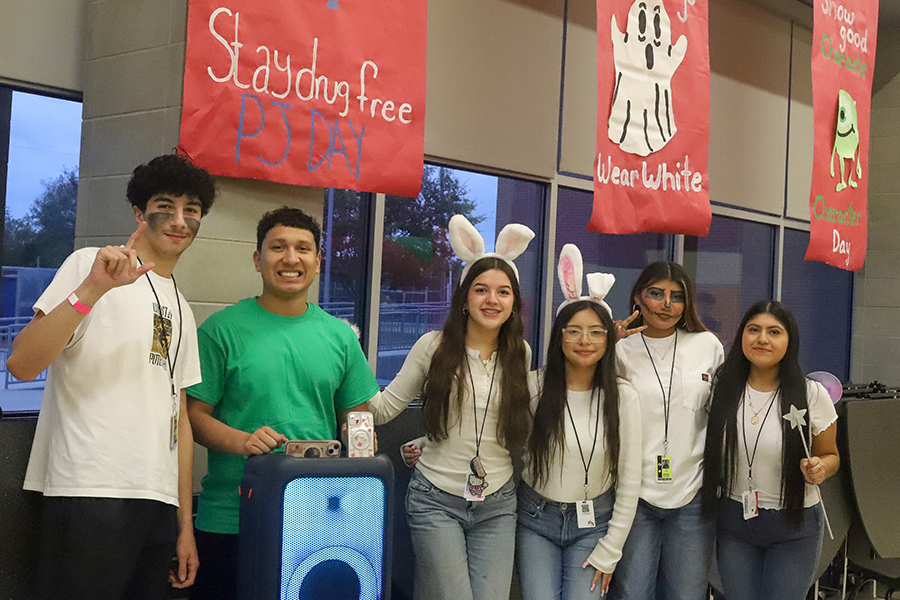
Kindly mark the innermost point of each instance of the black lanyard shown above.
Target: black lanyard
(487, 404)
(751, 458)
(163, 336)
(587, 464)
(666, 398)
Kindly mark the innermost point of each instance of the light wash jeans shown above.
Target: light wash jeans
(551, 549)
(667, 555)
(767, 557)
(464, 550)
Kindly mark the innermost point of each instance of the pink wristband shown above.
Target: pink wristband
(78, 304)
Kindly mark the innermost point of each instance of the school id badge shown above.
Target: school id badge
(663, 468)
(586, 518)
(173, 424)
(750, 502)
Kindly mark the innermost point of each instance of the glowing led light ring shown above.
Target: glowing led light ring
(368, 579)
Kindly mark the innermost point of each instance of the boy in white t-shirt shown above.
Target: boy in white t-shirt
(113, 447)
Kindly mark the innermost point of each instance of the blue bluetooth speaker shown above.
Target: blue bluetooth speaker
(315, 528)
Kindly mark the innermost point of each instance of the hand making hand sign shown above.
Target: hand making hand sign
(115, 266)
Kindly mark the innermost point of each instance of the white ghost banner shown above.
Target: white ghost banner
(650, 171)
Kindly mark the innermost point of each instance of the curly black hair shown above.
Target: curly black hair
(171, 174)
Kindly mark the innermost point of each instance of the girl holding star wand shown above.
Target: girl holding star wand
(757, 477)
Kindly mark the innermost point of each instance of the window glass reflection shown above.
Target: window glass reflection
(343, 274)
(420, 271)
(732, 267)
(821, 298)
(625, 256)
(39, 226)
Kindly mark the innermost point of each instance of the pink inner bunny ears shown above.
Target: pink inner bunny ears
(468, 244)
(570, 269)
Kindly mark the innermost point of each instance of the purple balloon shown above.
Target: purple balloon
(831, 384)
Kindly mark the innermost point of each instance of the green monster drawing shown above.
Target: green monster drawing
(846, 139)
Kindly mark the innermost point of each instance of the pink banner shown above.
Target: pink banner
(650, 172)
(327, 93)
(843, 61)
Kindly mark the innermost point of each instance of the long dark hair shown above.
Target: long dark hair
(722, 445)
(659, 271)
(548, 432)
(448, 369)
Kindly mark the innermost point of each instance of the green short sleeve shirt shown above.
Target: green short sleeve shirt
(290, 373)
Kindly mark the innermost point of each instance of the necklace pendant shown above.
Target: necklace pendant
(754, 419)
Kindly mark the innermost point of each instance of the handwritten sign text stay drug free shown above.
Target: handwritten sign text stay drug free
(308, 95)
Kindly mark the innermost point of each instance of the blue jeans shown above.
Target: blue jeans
(550, 548)
(464, 550)
(766, 557)
(667, 555)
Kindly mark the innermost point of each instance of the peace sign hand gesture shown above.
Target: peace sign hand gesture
(622, 330)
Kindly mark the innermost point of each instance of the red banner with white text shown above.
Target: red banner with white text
(650, 172)
(843, 61)
(327, 93)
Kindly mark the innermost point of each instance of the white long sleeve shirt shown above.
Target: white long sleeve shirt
(566, 481)
(445, 463)
(696, 358)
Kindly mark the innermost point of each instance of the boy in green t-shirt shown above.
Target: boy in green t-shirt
(275, 367)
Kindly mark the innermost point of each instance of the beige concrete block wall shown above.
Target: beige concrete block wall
(133, 70)
(134, 64)
(876, 304)
(42, 43)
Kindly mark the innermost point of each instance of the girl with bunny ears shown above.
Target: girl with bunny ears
(472, 375)
(670, 363)
(583, 461)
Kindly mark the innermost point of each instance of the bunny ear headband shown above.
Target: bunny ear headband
(570, 270)
(469, 245)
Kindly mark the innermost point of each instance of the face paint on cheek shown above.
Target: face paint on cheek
(157, 221)
(193, 225)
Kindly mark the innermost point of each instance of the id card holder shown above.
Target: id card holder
(173, 425)
(586, 518)
(750, 502)
(475, 487)
(663, 468)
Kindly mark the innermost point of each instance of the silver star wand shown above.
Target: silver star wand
(797, 418)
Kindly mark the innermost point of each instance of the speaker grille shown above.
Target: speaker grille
(333, 519)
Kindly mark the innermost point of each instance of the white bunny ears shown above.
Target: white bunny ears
(570, 269)
(468, 244)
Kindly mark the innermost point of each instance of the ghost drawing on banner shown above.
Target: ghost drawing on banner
(642, 120)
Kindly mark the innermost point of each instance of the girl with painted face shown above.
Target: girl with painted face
(670, 363)
(583, 460)
(756, 476)
(472, 376)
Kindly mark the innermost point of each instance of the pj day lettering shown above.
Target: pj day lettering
(343, 137)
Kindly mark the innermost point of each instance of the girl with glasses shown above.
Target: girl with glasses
(582, 465)
(757, 477)
(670, 363)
